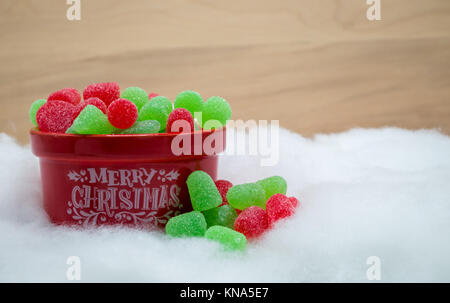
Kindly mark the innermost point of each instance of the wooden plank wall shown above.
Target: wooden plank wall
(316, 65)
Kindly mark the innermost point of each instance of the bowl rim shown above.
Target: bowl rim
(36, 131)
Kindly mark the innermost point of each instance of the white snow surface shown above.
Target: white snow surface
(365, 192)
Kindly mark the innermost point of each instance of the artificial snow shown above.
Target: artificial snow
(365, 193)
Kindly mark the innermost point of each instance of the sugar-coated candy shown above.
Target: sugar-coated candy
(202, 190)
(223, 186)
(136, 95)
(278, 207)
(185, 122)
(252, 222)
(190, 100)
(55, 116)
(273, 185)
(34, 108)
(122, 113)
(91, 121)
(143, 127)
(107, 92)
(91, 101)
(152, 95)
(191, 224)
(215, 108)
(245, 195)
(158, 109)
(230, 239)
(69, 94)
(294, 201)
(223, 215)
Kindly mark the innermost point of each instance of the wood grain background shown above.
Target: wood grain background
(316, 65)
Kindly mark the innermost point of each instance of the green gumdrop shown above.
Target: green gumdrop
(245, 195)
(91, 121)
(143, 127)
(159, 109)
(273, 185)
(224, 215)
(190, 100)
(34, 108)
(215, 108)
(230, 239)
(191, 224)
(203, 191)
(136, 95)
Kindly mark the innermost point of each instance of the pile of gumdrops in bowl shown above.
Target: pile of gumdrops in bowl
(106, 110)
(221, 212)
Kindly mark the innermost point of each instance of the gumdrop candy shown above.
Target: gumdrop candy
(191, 224)
(230, 239)
(91, 121)
(91, 101)
(278, 207)
(252, 222)
(202, 190)
(223, 186)
(152, 95)
(136, 95)
(245, 195)
(158, 109)
(294, 201)
(190, 100)
(34, 108)
(69, 94)
(223, 215)
(55, 116)
(185, 124)
(143, 127)
(122, 113)
(215, 108)
(273, 185)
(107, 92)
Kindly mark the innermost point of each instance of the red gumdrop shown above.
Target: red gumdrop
(278, 207)
(152, 95)
(55, 116)
(223, 186)
(91, 101)
(69, 94)
(122, 113)
(180, 114)
(294, 201)
(252, 222)
(107, 92)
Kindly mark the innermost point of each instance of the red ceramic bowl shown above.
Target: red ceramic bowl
(120, 179)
